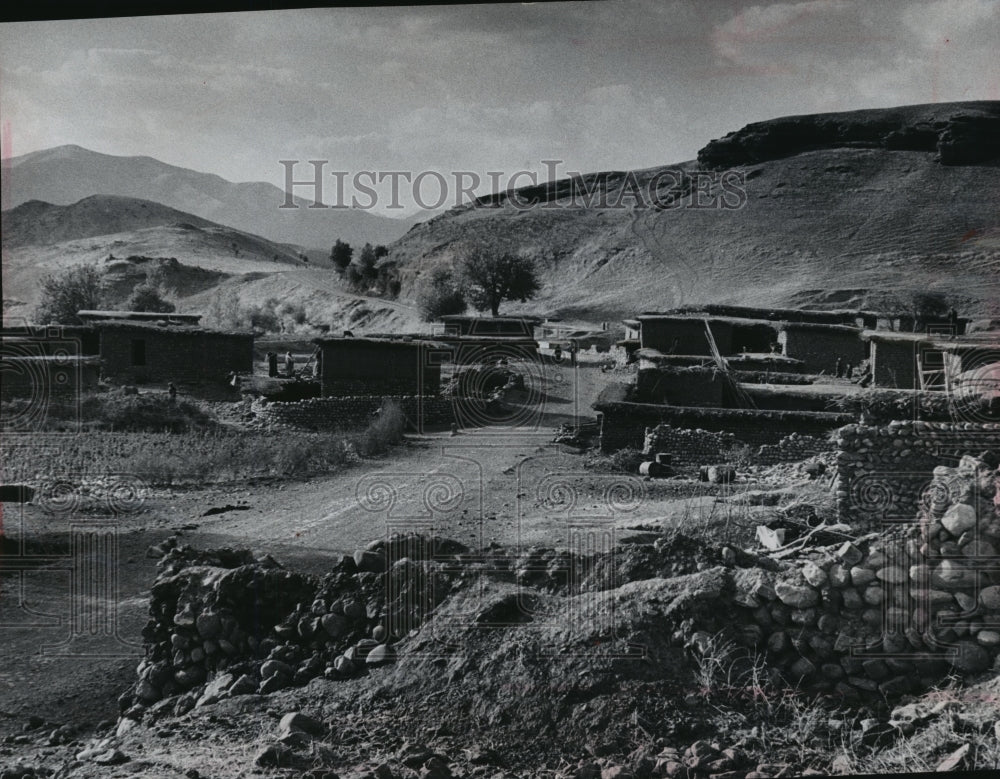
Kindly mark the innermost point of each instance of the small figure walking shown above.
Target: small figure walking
(840, 367)
(850, 371)
(172, 392)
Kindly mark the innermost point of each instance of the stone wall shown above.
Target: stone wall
(792, 448)
(624, 423)
(689, 447)
(705, 447)
(889, 613)
(883, 472)
(356, 411)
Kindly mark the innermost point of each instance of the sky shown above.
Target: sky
(612, 85)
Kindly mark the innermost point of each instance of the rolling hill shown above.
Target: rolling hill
(194, 259)
(67, 174)
(827, 210)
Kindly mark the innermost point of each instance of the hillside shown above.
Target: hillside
(195, 259)
(66, 174)
(837, 207)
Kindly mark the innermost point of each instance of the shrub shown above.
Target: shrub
(66, 293)
(440, 296)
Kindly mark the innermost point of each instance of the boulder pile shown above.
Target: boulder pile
(883, 471)
(889, 613)
(223, 623)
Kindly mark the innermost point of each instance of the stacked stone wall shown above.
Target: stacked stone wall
(889, 613)
(883, 472)
(356, 411)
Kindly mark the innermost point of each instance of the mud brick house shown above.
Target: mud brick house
(819, 345)
(45, 377)
(490, 326)
(684, 334)
(48, 361)
(484, 339)
(351, 366)
(924, 361)
(137, 347)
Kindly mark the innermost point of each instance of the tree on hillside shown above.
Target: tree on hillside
(380, 252)
(366, 262)
(440, 295)
(918, 307)
(491, 276)
(147, 297)
(341, 254)
(63, 294)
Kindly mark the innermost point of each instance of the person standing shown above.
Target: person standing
(289, 365)
(840, 367)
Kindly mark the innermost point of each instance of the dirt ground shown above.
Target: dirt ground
(501, 485)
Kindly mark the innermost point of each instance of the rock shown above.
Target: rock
(275, 756)
(334, 625)
(892, 574)
(435, 768)
(796, 596)
(297, 722)
(273, 684)
(381, 655)
(814, 575)
(954, 760)
(989, 597)
(216, 689)
(110, 757)
(849, 554)
(372, 562)
(839, 576)
(276, 667)
(379, 633)
(208, 624)
(245, 685)
(861, 577)
(969, 657)
(959, 518)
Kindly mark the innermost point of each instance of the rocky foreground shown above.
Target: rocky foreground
(419, 657)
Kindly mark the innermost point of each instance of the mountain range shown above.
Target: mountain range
(66, 174)
(823, 210)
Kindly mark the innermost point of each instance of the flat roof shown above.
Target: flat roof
(987, 340)
(376, 343)
(88, 314)
(82, 359)
(503, 318)
(160, 327)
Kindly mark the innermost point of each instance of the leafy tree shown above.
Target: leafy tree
(491, 276)
(146, 297)
(63, 294)
(366, 262)
(341, 254)
(380, 252)
(440, 295)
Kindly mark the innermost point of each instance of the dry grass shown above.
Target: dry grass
(214, 455)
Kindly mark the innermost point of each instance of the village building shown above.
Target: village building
(929, 362)
(350, 366)
(478, 340)
(140, 347)
(820, 346)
